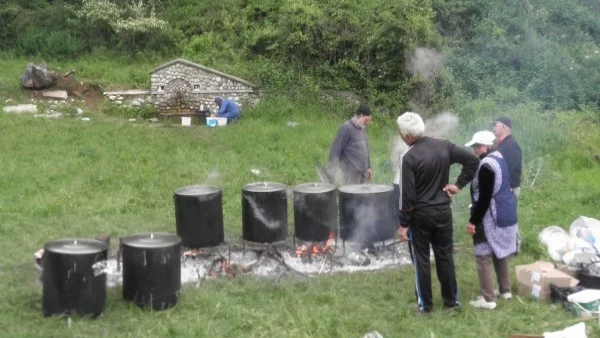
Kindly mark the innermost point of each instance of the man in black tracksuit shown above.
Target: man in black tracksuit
(425, 214)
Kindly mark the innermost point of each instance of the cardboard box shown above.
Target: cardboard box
(533, 280)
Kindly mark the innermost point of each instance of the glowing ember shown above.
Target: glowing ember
(317, 249)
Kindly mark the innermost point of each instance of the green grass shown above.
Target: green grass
(70, 178)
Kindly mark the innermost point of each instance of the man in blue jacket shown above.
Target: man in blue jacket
(227, 108)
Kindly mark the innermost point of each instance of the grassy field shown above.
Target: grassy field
(72, 178)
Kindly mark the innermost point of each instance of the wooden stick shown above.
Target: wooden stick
(537, 173)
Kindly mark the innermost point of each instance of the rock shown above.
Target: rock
(118, 101)
(56, 94)
(136, 103)
(154, 119)
(79, 111)
(112, 97)
(50, 115)
(38, 77)
(85, 119)
(21, 108)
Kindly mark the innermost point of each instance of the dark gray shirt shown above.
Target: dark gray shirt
(350, 150)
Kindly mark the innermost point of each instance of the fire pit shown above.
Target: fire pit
(73, 278)
(264, 212)
(366, 213)
(151, 269)
(199, 215)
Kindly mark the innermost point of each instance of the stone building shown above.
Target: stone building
(181, 87)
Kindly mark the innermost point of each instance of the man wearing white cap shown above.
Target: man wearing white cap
(493, 221)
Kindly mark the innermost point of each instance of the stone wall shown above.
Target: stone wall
(183, 87)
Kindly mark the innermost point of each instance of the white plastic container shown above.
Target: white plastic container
(585, 303)
(216, 121)
(186, 121)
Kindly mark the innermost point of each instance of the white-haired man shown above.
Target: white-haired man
(425, 214)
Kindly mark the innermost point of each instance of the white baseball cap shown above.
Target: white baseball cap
(482, 137)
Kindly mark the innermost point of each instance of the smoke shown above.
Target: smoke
(442, 125)
(371, 221)
(310, 210)
(213, 178)
(261, 213)
(425, 62)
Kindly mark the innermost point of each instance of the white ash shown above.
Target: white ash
(274, 263)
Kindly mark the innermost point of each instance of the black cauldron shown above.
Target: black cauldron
(366, 213)
(264, 212)
(74, 279)
(315, 211)
(199, 215)
(151, 269)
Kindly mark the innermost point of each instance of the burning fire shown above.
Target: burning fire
(316, 249)
(193, 253)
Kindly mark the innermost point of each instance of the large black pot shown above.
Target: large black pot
(74, 279)
(151, 269)
(366, 213)
(264, 212)
(315, 211)
(199, 215)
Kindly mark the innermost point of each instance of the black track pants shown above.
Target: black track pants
(433, 226)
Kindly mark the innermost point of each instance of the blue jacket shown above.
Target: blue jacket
(229, 109)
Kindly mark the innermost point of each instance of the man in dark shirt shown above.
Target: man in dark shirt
(349, 151)
(511, 151)
(425, 214)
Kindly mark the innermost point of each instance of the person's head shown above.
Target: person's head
(481, 142)
(410, 127)
(502, 127)
(218, 100)
(362, 117)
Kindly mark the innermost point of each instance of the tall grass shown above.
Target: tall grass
(71, 178)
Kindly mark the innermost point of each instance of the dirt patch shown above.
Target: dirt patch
(88, 93)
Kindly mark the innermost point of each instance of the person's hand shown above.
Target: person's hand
(403, 233)
(451, 190)
(369, 174)
(471, 229)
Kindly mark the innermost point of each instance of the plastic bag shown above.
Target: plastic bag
(586, 228)
(556, 240)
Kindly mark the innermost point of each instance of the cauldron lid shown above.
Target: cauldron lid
(151, 240)
(76, 246)
(264, 187)
(316, 187)
(365, 188)
(196, 190)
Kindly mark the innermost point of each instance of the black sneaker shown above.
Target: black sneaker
(416, 309)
